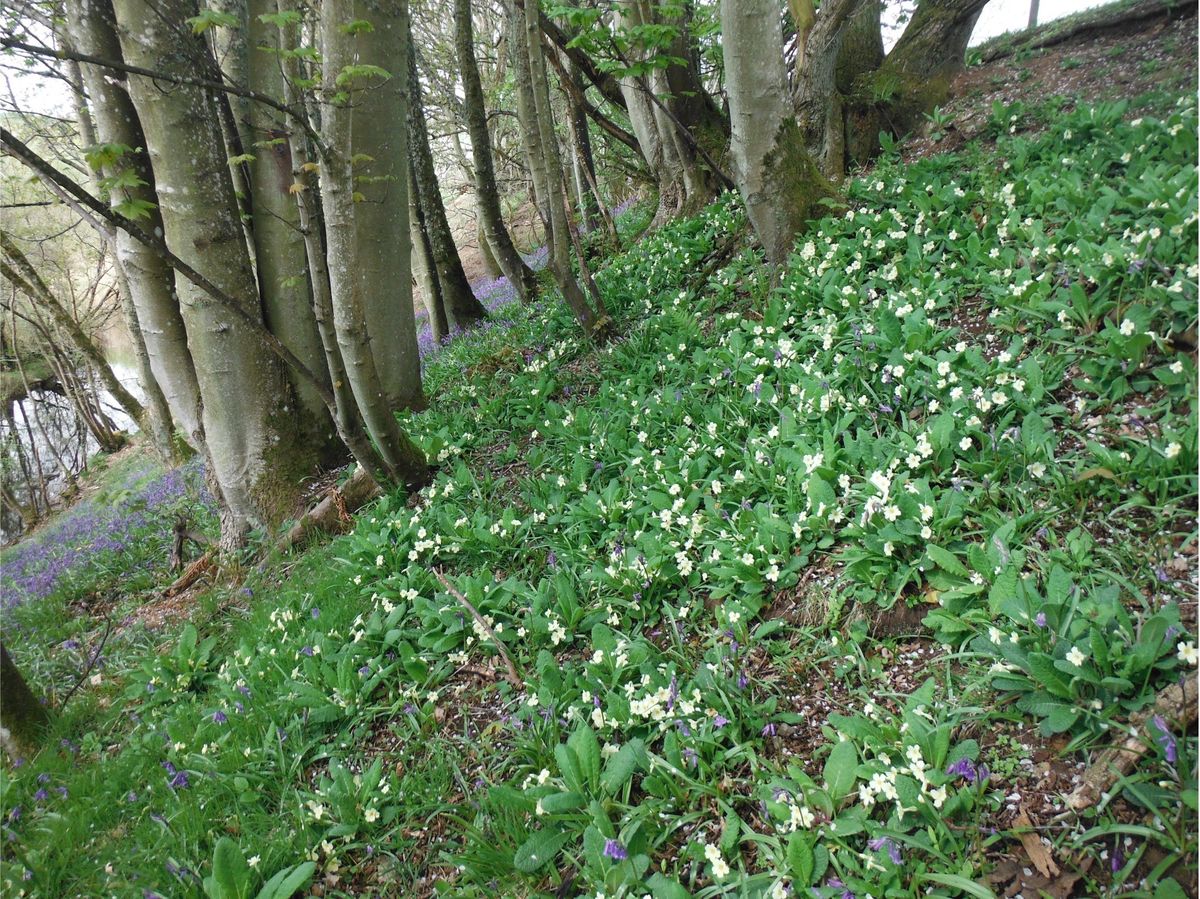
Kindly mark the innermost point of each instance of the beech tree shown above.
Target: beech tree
(790, 137)
(487, 194)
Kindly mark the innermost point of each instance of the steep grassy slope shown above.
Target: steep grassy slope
(824, 588)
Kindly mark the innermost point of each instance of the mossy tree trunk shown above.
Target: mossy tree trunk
(776, 175)
(251, 430)
(22, 714)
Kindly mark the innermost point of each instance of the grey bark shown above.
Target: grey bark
(156, 420)
(424, 269)
(776, 176)
(92, 27)
(368, 241)
(488, 196)
(461, 307)
(282, 268)
(249, 427)
(545, 159)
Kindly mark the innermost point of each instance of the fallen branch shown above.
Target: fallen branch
(513, 677)
(1175, 703)
(332, 513)
(193, 573)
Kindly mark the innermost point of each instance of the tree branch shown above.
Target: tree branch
(9, 43)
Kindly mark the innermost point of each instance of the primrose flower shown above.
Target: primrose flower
(720, 868)
(1186, 653)
(1076, 657)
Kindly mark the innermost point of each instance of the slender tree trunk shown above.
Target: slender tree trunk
(583, 165)
(424, 270)
(462, 308)
(251, 432)
(150, 279)
(22, 716)
(545, 159)
(368, 241)
(485, 249)
(488, 196)
(1033, 14)
(282, 269)
(523, 99)
(778, 179)
(156, 421)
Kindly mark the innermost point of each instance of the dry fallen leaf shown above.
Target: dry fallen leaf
(1034, 847)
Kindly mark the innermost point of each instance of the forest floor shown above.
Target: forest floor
(836, 587)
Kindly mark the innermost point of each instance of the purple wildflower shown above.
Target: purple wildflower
(769, 729)
(41, 795)
(1040, 620)
(888, 845)
(719, 722)
(316, 613)
(179, 781)
(1166, 739)
(615, 851)
(306, 651)
(967, 770)
(219, 717)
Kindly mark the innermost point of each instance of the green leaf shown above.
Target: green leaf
(800, 859)
(211, 18)
(230, 871)
(662, 887)
(587, 751)
(840, 769)
(1042, 668)
(958, 883)
(557, 803)
(946, 560)
(350, 74)
(288, 882)
(619, 769)
(540, 848)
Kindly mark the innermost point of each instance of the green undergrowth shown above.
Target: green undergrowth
(966, 406)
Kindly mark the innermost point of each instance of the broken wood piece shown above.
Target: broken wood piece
(1175, 703)
(193, 573)
(332, 513)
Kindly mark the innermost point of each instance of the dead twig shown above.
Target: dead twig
(513, 677)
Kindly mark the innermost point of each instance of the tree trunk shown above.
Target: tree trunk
(491, 266)
(368, 241)
(23, 718)
(916, 76)
(156, 421)
(151, 281)
(1033, 14)
(546, 160)
(683, 184)
(461, 307)
(281, 262)
(424, 270)
(250, 432)
(582, 163)
(523, 99)
(777, 178)
(519, 274)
